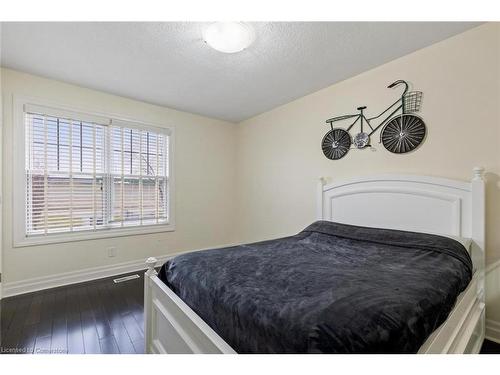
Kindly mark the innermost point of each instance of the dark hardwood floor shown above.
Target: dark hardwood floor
(490, 347)
(94, 317)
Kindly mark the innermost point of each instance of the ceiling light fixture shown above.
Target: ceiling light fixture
(229, 37)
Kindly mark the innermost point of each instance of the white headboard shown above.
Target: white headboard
(414, 203)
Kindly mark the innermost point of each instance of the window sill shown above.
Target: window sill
(84, 236)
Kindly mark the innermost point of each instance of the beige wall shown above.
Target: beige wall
(1, 157)
(279, 154)
(257, 180)
(204, 173)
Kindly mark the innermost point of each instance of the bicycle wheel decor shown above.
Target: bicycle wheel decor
(403, 133)
(336, 144)
(401, 130)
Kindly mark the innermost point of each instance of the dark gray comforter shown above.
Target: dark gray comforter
(332, 288)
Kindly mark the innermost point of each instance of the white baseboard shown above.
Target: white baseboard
(492, 326)
(39, 283)
(492, 266)
(14, 288)
(493, 330)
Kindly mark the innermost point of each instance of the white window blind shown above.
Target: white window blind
(83, 174)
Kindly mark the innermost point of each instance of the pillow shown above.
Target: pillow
(466, 242)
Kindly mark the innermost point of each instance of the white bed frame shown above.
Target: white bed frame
(415, 203)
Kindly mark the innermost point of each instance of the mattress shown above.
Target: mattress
(332, 288)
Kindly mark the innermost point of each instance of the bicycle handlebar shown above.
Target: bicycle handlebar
(398, 82)
(392, 85)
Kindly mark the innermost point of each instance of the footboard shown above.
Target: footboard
(170, 326)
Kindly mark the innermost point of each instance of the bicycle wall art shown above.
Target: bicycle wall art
(402, 130)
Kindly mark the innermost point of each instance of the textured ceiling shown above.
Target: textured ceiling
(169, 64)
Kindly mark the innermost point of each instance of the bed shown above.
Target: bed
(442, 278)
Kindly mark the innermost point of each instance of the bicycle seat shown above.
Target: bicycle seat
(361, 108)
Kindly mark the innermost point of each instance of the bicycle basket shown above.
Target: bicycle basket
(412, 101)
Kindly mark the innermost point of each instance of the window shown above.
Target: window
(85, 175)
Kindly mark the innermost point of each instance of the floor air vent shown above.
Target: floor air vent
(126, 278)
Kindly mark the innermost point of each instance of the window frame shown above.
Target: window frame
(20, 239)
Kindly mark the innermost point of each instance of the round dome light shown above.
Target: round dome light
(229, 37)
